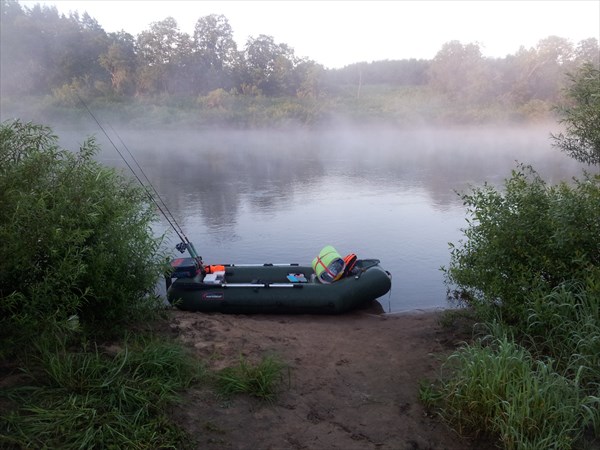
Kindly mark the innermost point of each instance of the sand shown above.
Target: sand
(352, 381)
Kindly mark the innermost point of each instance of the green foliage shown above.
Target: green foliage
(218, 98)
(98, 399)
(44, 52)
(67, 95)
(581, 116)
(566, 325)
(261, 380)
(532, 262)
(458, 71)
(524, 242)
(497, 388)
(542, 394)
(76, 239)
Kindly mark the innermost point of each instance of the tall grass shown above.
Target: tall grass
(566, 325)
(497, 388)
(97, 399)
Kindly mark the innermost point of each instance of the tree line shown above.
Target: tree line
(47, 53)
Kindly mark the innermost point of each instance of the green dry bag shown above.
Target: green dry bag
(329, 265)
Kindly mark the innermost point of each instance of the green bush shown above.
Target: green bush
(525, 242)
(580, 116)
(76, 239)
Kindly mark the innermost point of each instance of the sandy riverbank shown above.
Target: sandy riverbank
(353, 381)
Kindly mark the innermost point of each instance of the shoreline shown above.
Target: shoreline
(352, 380)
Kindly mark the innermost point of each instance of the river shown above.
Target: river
(279, 197)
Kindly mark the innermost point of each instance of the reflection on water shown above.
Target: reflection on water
(251, 196)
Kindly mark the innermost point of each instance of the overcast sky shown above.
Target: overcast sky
(338, 33)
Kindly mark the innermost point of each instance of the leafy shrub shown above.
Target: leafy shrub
(581, 116)
(525, 242)
(217, 98)
(76, 238)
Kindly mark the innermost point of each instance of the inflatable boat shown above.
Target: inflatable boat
(274, 288)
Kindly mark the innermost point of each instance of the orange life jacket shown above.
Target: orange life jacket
(214, 268)
(349, 262)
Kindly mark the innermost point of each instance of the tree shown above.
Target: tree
(587, 51)
(554, 57)
(28, 48)
(310, 75)
(581, 116)
(120, 62)
(459, 71)
(270, 67)
(43, 50)
(538, 73)
(215, 53)
(78, 46)
(162, 50)
(14, 76)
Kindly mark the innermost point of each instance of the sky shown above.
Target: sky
(338, 33)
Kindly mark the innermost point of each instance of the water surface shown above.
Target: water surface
(259, 197)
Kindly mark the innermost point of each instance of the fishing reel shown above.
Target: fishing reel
(183, 246)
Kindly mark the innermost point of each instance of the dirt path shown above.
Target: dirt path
(354, 381)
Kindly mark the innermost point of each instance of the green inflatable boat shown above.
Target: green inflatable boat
(273, 288)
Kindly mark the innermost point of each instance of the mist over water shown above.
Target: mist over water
(279, 197)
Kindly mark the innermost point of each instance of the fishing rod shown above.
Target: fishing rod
(185, 243)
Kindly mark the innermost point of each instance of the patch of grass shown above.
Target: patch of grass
(260, 380)
(429, 394)
(566, 325)
(497, 388)
(100, 399)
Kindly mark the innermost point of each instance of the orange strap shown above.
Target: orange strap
(348, 258)
(319, 261)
